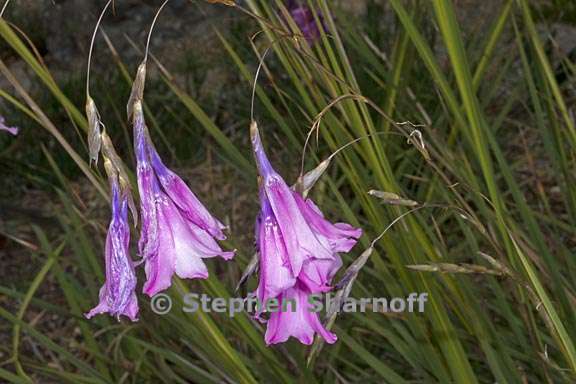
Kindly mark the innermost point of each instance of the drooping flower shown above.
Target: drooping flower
(177, 230)
(298, 252)
(4, 127)
(118, 294)
(301, 323)
(303, 16)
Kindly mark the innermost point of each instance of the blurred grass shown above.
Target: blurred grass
(481, 96)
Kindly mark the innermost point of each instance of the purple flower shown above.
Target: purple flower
(118, 295)
(302, 322)
(303, 16)
(298, 252)
(4, 127)
(177, 230)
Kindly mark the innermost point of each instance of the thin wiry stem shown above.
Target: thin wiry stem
(395, 221)
(92, 46)
(348, 144)
(398, 125)
(318, 119)
(152, 29)
(260, 65)
(461, 211)
(4, 8)
(256, 81)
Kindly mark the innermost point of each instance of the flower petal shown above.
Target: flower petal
(182, 246)
(117, 295)
(160, 266)
(301, 323)
(317, 274)
(341, 236)
(130, 310)
(187, 251)
(275, 274)
(4, 127)
(183, 197)
(148, 188)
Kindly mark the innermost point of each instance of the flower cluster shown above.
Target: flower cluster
(298, 253)
(297, 248)
(177, 231)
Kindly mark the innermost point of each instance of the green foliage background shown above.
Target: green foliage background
(493, 246)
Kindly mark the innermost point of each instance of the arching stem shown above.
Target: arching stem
(92, 46)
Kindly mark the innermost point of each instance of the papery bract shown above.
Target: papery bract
(117, 295)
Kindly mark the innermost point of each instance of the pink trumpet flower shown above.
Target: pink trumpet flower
(177, 230)
(298, 253)
(118, 294)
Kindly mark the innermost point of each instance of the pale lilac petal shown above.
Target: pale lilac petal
(117, 295)
(4, 127)
(130, 310)
(189, 239)
(275, 274)
(187, 251)
(183, 197)
(204, 244)
(317, 274)
(299, 237)
(160, 266)
(148, 188)
(147, 184)
(102, 306)
(182, 246)
(342, 236)
(301, 323)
